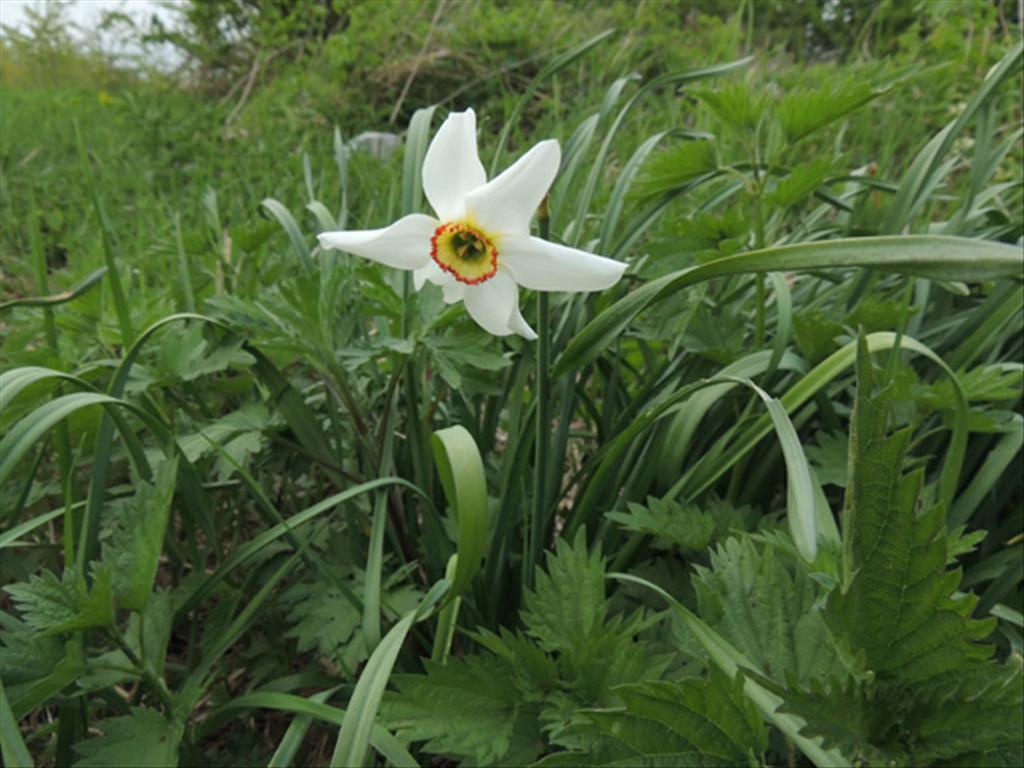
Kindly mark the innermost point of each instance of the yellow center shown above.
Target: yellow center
(464, 252)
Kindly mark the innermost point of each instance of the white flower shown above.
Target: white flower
(479, 248)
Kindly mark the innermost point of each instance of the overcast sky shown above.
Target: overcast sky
(86, 14)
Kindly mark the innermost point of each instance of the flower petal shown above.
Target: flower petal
(517, 324)
(403, 245)
(507, 202)
(492, 304)
(430, 273)
(453, 291)
(546, 266)
(452, 167)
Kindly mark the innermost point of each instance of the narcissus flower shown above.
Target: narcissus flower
(479, 248)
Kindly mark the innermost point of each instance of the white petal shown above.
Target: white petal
(492, 303)
(545, 266)
(431, 273)
(403, 245)
(453, 291)
(508, 201)
(452, 167)
(517, 324)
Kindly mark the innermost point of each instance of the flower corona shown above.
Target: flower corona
(479, 249)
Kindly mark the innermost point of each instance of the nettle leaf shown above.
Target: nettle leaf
(686, 526)
(763, 600)
(567, 613)
(896, 606)
(803, 111)
(947, 720)
(736, 104)
(568, 604)
(924, 691)
(469, 709)
(674, 167)
(694, 722)
(143, 739)
(979, 712)
(137, 538)
(52, 606)
(815, 333)
(800, 182)
(25, 654)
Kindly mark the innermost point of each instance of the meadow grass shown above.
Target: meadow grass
(264, 503)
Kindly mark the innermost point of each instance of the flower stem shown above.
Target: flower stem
(543, 413)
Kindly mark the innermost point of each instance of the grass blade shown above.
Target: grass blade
(936, 257)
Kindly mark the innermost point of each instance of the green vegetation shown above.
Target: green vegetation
(758, 503)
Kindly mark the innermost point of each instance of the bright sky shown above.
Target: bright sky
(86, 14)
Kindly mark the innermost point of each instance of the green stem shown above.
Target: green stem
(543, 413)
(155, 683)
(758, 245)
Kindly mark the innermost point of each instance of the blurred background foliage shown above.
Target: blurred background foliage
(250, 86)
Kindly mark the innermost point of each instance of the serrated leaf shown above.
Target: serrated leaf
(686, 526)
(25, 654)
(568, 603)
(765, 603)
(466, 708)
(736, 104)
(896, 605)
(695, 722)
(143, 739)
(52, 606)
(801, 181)
(674, 167)
(803, 111)
(137, 539)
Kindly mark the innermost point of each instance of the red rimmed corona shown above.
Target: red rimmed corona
(478, 249)
(464, 252)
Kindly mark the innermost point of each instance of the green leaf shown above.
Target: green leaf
(695, 722)
(686, 526)
(358, 724)
(325, 620)
(736, 105)
(185, 355)
(947, 721)
(766, 604)
(466, 708)
(568, 604)
(138, 537)
(674, 167)
(52, 606)
(12, 746)
(896, 605)
(143, 739)
(940, 258)
(462, 475)
(828, 458)
(801, 181)
(148, 635)
(803, 111)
